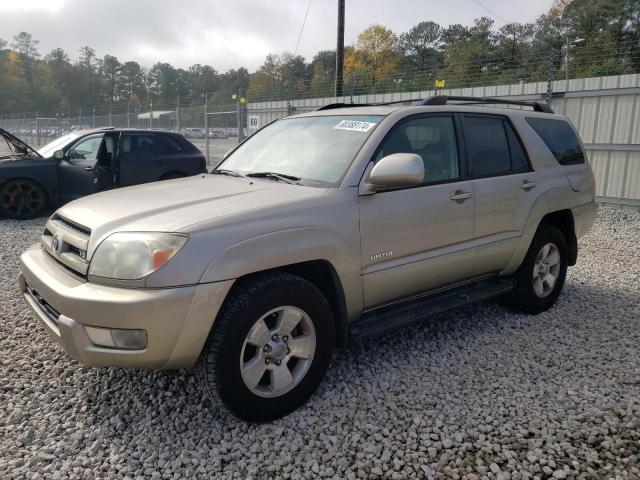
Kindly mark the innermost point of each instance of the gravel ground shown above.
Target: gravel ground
(477, 393)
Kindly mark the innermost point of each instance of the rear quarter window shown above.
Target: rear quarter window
(561, 139)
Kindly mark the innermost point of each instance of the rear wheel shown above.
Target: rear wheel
(22, 199)
(270, 347)
(541, 276)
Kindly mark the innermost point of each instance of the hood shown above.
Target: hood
(17, 147)
(174, 205)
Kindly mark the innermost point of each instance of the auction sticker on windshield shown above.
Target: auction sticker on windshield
(354, 126)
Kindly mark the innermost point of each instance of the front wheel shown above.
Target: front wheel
(270, 347)
(541, 276)
(22, 199)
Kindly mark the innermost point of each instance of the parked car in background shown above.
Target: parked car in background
(319, 230)
(218, 133)
(193, 132)
(88, 161)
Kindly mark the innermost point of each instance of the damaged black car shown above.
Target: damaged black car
(84, 162)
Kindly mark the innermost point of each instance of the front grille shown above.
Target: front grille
(51, 313)
(66, 242)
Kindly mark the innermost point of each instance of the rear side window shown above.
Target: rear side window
(561, 139)
(487, 146)
(519, 162)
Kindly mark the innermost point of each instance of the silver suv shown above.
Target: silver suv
(321, 229)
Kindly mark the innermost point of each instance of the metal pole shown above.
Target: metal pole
(340, 49)
(178, 115)
(240, 117)
(129, 114)
(93, 119)
(110, 117)
(151, 114)
(37, 130)
(566, 67)
(206, 128)
(550, 79)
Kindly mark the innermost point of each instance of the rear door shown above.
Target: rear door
(504, 188)
(140, 158)
(415, 239)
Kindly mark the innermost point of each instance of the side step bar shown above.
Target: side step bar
(384, 319)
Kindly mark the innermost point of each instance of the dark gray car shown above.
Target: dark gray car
(88, 161)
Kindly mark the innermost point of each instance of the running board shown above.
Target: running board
(386, 318)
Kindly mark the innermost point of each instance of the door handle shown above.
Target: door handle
(88, 169)
(461, 196)
(527, 185)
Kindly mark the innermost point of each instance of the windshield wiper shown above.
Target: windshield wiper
(224, 171)
(276, 176)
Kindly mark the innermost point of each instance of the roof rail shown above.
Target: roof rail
(331, 106)
(444, 99)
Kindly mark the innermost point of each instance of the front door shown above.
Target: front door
(419, 238)
(76, 172)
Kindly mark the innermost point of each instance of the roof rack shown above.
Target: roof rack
(444, 99)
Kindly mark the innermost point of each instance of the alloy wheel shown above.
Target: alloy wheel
(278, 351)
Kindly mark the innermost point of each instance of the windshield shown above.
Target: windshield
(57, 144)
(318, 150)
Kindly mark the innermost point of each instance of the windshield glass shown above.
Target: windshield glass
(57, 144)
(318, 150)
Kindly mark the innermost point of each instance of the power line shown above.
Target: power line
(302, 28)
(500, 17)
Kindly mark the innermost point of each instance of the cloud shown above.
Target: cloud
(221, 33)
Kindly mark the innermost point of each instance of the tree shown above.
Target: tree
(421, 43)
(25, 45)
(377, 45)
(3, 43)
(323, 72)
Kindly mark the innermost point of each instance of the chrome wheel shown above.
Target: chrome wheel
(277, 352)
(546, 270)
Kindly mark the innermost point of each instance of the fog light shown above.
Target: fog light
(117, 338)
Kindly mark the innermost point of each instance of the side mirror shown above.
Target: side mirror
(396, 170)
(59, 154)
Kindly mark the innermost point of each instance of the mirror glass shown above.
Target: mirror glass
(59, 154)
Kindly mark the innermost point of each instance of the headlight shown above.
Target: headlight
(134, 255)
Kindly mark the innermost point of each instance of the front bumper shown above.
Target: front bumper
(177, 320)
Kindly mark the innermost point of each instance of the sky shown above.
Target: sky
(229, 34)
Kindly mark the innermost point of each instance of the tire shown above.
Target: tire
(239, 343)
(528, 296)
(22, 199)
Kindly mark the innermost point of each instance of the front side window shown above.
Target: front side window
(487, 146)
(318, 150)
(431, 138)
(560, 138)
(85, 152)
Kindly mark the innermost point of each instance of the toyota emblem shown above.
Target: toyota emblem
(55, 243)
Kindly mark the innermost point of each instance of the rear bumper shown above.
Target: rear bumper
(177, 321)
(584, 217)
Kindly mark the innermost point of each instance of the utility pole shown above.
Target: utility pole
(340, 49)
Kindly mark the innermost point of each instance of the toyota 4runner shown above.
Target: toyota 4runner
(321, 229)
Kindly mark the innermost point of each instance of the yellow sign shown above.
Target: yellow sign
(233, 96)
(243, 100)
(439, 83)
